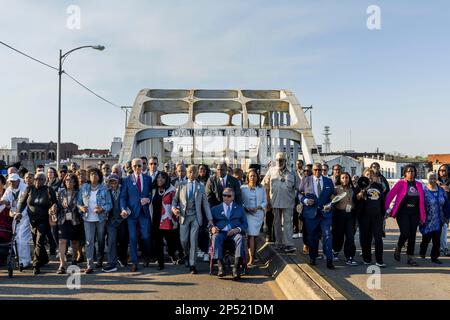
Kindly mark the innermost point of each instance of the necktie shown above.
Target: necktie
(319, 188)
(222, 182)
(139, 183)
(191, 190)
(228, 212)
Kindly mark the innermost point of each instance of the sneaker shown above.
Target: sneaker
(206, 257)
(70, 251)
(351, 262)
(335, 256)
(367, 262)
(320, 256)
(296, 236)
(200, 254)
(289, 249)
(381, 264)
(109, 268)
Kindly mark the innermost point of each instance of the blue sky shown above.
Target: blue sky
(391, 87)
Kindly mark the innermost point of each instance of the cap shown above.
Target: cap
(113, 177)
(280, 156)
(13, 177)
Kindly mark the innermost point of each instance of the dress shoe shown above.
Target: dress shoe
(193, 270)
(99, 264)
(161, 266)
(186, 263)
(36, 271)
(397, 253)
(236, 272)
(330, 264)
(134, 268)
(312, 262)
(88, 271)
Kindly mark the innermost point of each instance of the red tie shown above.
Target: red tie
(139, 182)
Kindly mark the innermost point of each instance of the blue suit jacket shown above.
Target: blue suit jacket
(130, 197)
(306, 191)
(237, 217)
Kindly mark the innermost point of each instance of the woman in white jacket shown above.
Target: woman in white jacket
(255, 202)
(23, 230)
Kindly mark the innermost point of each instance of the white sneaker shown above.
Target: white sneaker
(200, 253)
(206, 257)
(296, 236)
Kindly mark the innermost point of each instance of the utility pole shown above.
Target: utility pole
(126, 109)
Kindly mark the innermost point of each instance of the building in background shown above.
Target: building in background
(393, 169)
(116, 146)
(348, 164)
(438, 159)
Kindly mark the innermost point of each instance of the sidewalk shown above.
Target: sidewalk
(298, 280)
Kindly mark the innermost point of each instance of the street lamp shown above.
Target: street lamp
(62, 58)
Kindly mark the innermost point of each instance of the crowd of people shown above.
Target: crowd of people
(118, 216)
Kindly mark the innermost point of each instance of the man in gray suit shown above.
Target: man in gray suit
(188, 203)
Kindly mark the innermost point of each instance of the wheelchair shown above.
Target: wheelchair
(8, 248)
(228, 256)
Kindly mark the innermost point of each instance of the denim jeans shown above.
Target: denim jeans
(90, 229)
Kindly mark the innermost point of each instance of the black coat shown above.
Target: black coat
(214, 190)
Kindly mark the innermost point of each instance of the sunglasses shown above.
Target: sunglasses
(227, 195)
(137, 166)
(318, 170)
(152, 163)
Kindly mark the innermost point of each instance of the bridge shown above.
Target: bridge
(208, 126)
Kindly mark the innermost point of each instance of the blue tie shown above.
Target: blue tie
(228, 212)
(191, 191)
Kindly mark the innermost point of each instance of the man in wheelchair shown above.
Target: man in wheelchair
(230, 224)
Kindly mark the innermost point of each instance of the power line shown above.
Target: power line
(28, 56)
(54, 68)
(91, 91)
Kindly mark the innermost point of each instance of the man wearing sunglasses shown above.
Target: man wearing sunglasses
(315, 194)
(230, 223)
(153, 167)
(135, 196)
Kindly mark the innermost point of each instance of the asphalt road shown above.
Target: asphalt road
(397, 281)
(173, 283)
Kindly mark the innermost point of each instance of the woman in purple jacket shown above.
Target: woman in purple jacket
(408, 210)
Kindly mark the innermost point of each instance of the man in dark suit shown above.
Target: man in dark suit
(217, 183)
(229, 223)
(181, 175)
(135, 198)
(315, 194)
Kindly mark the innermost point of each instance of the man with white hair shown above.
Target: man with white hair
(135, 199)
(281, 186)
(23, 230)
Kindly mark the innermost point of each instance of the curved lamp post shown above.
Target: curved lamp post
(62, 58)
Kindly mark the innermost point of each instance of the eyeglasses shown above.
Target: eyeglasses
(153, 163)
(227, 195)
(137, 166)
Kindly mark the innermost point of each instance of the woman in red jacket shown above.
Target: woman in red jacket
(409, 210)
(164, 224)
